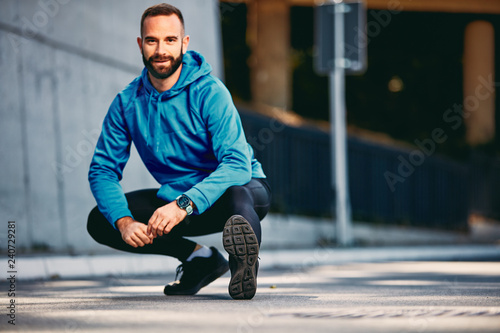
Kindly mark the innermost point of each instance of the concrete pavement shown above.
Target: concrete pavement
(425, 288)
(289, 241)
(400, 296)
(123, 264)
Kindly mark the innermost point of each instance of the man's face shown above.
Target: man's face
(162, 45)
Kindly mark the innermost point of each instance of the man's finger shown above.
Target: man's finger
(152, 227)
(161, 226)
(148, 235)
(130, 242)
(167, 228)
(153, 217)
(149, 227)
(138, 240)
(170, 226)
(145, 239)
(156, 227)
(151, 222)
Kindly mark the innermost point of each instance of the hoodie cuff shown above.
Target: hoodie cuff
(199, 199)
(118, 214)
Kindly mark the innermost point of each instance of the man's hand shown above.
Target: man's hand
(134, 233)
(165, 218)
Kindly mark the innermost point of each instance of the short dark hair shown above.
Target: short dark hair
(162, 9)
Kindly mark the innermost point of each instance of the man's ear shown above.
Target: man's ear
(185, 43)
(139, 42)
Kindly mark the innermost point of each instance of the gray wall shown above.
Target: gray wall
(62, 62)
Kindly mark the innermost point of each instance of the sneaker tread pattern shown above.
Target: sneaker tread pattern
(241, 243)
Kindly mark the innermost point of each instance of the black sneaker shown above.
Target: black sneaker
(197, 273)
(241, 243)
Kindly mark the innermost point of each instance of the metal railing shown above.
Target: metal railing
(431, 192)
(484, 179)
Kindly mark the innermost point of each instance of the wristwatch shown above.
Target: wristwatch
(184, 203)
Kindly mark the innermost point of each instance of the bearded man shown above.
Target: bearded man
(188, 133)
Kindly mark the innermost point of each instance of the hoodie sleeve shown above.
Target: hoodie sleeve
(111, 154)
(229, 145)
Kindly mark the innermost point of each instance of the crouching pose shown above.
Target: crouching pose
(189, 135)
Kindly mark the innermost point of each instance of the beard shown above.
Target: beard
(162, 72)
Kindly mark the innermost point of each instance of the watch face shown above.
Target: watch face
(183, 201)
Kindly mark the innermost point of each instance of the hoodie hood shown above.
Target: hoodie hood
(194, 66)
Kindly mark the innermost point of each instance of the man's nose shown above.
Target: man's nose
(162, 48)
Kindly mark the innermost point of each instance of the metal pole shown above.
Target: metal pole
(338, 134)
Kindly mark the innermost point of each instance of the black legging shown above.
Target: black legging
(251, 201)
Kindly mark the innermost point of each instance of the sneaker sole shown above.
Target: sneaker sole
(241, 243)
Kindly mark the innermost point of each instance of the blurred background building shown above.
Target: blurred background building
(422, 120)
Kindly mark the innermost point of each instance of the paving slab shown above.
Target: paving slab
(48, 266)
(398, 296)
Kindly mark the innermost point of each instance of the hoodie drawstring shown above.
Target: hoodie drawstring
(157, 125)
(154, 118)
(149, 134)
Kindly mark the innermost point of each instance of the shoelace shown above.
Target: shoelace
(185, 270)
(179, 270)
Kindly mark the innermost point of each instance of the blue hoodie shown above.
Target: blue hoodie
(189, 137)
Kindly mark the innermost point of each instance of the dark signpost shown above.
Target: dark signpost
(340, 42)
